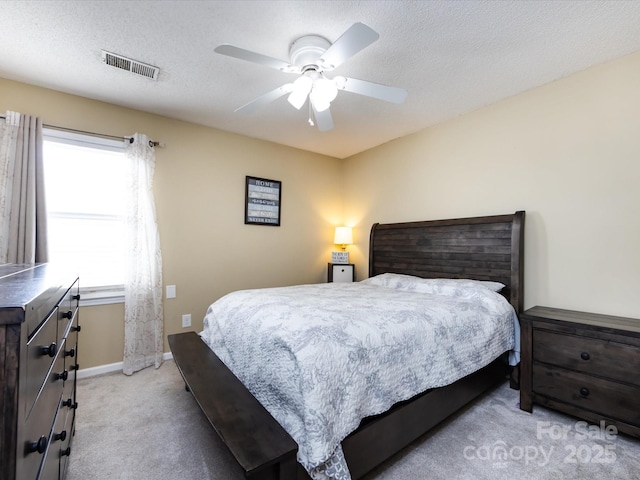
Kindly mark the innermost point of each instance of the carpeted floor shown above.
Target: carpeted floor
(147, 427)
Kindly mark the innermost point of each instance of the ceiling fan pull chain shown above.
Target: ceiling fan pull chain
(311, 123)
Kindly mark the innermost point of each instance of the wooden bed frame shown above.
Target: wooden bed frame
(482, 248)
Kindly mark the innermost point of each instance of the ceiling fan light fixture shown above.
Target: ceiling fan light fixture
(324, 92)
(320, 103)
(301, 88)
(326, 88)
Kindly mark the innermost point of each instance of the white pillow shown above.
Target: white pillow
(429, 285)
(493, 286)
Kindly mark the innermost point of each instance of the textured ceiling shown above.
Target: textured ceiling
(451, 56)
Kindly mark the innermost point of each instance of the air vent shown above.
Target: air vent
(130, 65)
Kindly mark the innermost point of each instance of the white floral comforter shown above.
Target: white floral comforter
(322, 357)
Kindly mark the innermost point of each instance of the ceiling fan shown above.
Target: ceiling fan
(311, 57)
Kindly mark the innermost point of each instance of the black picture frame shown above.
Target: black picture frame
(262, 201)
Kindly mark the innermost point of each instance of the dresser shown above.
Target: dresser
(583, 364)
(38, 352)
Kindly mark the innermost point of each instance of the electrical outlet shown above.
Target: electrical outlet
(186, 320)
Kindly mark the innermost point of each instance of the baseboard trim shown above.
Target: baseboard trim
(108, 368)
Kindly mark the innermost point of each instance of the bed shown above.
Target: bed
(486, 249)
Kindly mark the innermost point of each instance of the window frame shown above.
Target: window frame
(103, 294)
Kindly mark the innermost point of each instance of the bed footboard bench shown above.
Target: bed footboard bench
(262, 448)
(265, 451)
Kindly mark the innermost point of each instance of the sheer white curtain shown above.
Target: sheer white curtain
(8, 141)
(23, 217)
(143, 322)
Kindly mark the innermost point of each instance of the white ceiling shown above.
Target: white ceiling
(452, 57)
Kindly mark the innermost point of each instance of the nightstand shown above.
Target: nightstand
(341, 272)
(583, 364)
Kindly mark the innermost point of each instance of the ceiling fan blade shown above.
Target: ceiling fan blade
(265, 99)
(324, 120)
(356, 38)
(370, 89)
(249, 56)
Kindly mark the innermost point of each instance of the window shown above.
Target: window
(85, 191)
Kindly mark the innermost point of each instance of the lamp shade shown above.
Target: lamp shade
(343, 236)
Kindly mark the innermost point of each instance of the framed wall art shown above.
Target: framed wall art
(262, 201)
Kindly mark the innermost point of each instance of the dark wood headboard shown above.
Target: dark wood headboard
(480, 248)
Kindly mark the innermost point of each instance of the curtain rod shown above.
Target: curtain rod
(152, 143)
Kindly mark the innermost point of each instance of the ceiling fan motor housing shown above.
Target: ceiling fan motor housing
(306, 51)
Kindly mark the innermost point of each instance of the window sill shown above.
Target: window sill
(90, 297)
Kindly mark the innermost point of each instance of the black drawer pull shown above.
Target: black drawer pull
(61, 376)
(40, 446)
(70, 353)
(76, 297)
(66, 452)
(75, 329)
(59, 436)
(74, 367)
(584, 392)
(68, 403)
(50, 350)
(585, 356)
(68, 315)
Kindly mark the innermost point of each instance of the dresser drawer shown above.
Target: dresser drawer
(65, 317)
(37, 427)
(69, 385)
(60, 439)
(67, 310)
(74, 298)
(42, 307)
(604, 358)
(51, 466)
(65, 444)
(71, 348)
(618, 400)
(41, 351)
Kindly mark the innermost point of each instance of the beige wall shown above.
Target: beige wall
(568, 153)
(199, 191)
(102, 335)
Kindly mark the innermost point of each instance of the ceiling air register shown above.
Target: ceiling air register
(130, 65)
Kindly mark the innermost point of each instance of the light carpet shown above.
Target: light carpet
(147, 427)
